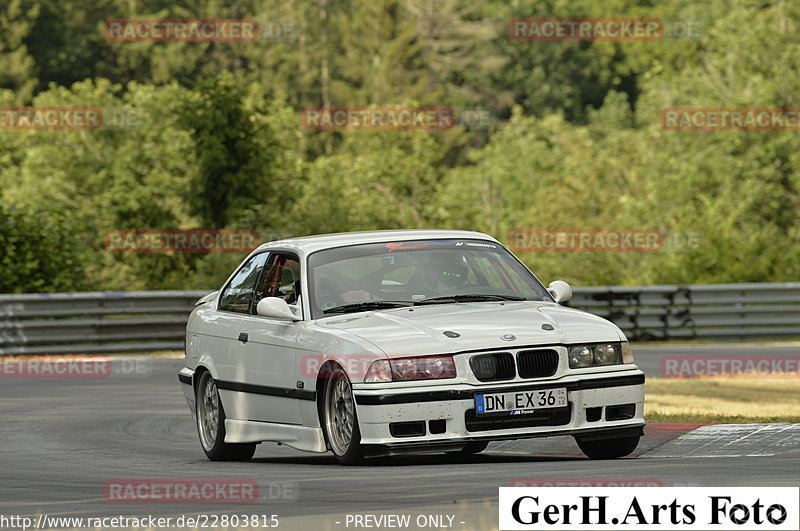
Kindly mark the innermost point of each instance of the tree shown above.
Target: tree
(17, 67)
(234, 152)
(40, 252)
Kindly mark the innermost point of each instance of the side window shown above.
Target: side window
(281, 279)
(238, 296)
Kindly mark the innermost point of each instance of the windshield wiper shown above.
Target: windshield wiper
(469, 298)
(368, 305)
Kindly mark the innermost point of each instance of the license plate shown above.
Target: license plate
(517, 402)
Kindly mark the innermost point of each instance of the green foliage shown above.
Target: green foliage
(215, 140)
(233, 150)
(16, 64)
(387, 183)
(40, 252)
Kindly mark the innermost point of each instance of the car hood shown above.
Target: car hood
(420, 330)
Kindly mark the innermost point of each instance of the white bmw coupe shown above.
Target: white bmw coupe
(380, 343)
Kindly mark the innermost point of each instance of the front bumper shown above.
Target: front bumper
(598, 404)
(185, 377)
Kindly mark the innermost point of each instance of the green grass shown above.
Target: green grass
(729, 401)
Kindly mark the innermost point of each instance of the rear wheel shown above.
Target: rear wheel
(211, 425)
(608, 448)
(340, 420)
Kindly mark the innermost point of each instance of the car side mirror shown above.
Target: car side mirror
(560, 291)
(276, 308)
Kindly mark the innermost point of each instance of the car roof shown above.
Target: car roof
(305, 245)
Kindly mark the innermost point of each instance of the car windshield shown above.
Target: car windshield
(399, 274)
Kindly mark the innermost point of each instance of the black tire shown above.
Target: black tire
(212, 434)
(471, 448)
(339, 412)
(608, 448)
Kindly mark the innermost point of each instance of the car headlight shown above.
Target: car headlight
(407, 369)
(582, 356)
(605, 355)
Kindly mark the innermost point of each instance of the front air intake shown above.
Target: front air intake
(493, 367)
(545, 417)
(537, 363)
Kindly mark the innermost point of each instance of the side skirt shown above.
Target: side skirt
(299, 437)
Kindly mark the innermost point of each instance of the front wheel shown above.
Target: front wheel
(340, 420)
(211, 425)
(608, 448)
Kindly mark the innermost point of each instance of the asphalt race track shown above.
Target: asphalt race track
(63, 439)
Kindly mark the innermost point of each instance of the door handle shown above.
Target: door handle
(243, 337)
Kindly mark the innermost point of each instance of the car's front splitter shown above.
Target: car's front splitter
(402, 448)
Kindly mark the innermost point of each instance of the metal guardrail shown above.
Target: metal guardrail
(701, 311)
(94, 322)
(155, 320)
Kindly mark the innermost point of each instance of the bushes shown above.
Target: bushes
(39, 253)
